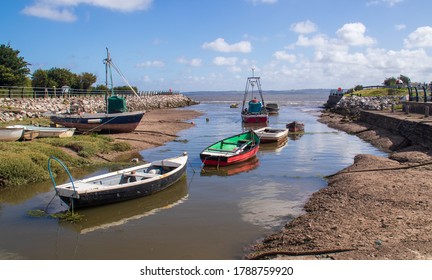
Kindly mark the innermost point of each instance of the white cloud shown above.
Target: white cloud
(195, 62)
(62, 10)
(53, 13)
(220, 45)
(263, 1)
(154, 63)
(400, 26)
(304, 27)
(390, 3)
(421, 37)
(225, 61)
(282, 55)
(354, 34)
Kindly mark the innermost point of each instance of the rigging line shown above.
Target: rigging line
(123, 77)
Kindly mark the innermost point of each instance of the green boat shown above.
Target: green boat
(231, 150)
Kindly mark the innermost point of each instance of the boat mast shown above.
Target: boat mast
(252, 81)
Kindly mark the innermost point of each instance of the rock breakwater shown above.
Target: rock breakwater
(352, 105)
(20, 108)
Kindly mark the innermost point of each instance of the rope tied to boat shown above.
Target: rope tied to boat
(70, 178)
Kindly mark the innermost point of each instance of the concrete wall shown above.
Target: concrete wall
(418, 131)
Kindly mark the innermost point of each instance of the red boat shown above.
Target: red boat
(231, 150)
(255, 111)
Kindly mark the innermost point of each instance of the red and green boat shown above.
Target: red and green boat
(231, 150)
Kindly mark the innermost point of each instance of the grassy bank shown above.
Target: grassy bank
(26, 162)
(369, 92)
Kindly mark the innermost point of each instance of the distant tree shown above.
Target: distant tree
(40, 78)
(59, 77)
(358, 87)
(86, 80)
(390, 82)
(405, 79)
(101, 87)
(13, 68)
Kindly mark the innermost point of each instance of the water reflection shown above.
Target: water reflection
(275, 148)
(105, 217)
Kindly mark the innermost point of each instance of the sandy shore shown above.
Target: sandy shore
(156, 128)
(378, 208)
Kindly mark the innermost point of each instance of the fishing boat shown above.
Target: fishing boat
(295, 126)
(268, 134)
(272, 108)
(115, 119)
(44, 131)
(11, 134)
(231, 150)
(125, 184)
(254, 111)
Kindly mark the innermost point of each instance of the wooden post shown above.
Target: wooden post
(407, 109)
(427, 111)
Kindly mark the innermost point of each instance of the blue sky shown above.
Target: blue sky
(194, 45)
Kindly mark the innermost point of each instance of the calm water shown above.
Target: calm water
(210, 214)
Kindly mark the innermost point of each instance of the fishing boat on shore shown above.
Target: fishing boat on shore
(255, 110)
(44, 131)
(115, 119)
(295, 126)
(125, 184)
(231, 150)
(11, 134)
(269, 135)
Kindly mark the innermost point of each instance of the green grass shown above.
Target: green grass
(380, 92)
(26, 162)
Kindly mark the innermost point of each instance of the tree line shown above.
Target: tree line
(15, 71)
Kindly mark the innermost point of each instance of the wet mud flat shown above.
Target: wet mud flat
(376, 209)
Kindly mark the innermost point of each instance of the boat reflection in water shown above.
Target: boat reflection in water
(104, 217)
(275, 147)
(295, 135)
(245, 166)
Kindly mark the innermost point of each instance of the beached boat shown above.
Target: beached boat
(11, 134)
(255, 110)
(272, 108)
(115, 119)
(44, 131)
(29, 135)
(231, 150)
(125, 184)
(268, 134)
(295, 126)
(118, 214)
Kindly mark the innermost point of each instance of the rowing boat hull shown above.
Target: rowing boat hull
(236, 152)
(88, 192)
(255, 118)
(270, 135)
(100, 122)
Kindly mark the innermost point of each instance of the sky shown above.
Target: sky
(213, 45)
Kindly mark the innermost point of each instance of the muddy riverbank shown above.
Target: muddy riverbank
(378, 208)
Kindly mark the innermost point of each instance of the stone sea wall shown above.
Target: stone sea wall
(21, 108)
(352, 105)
